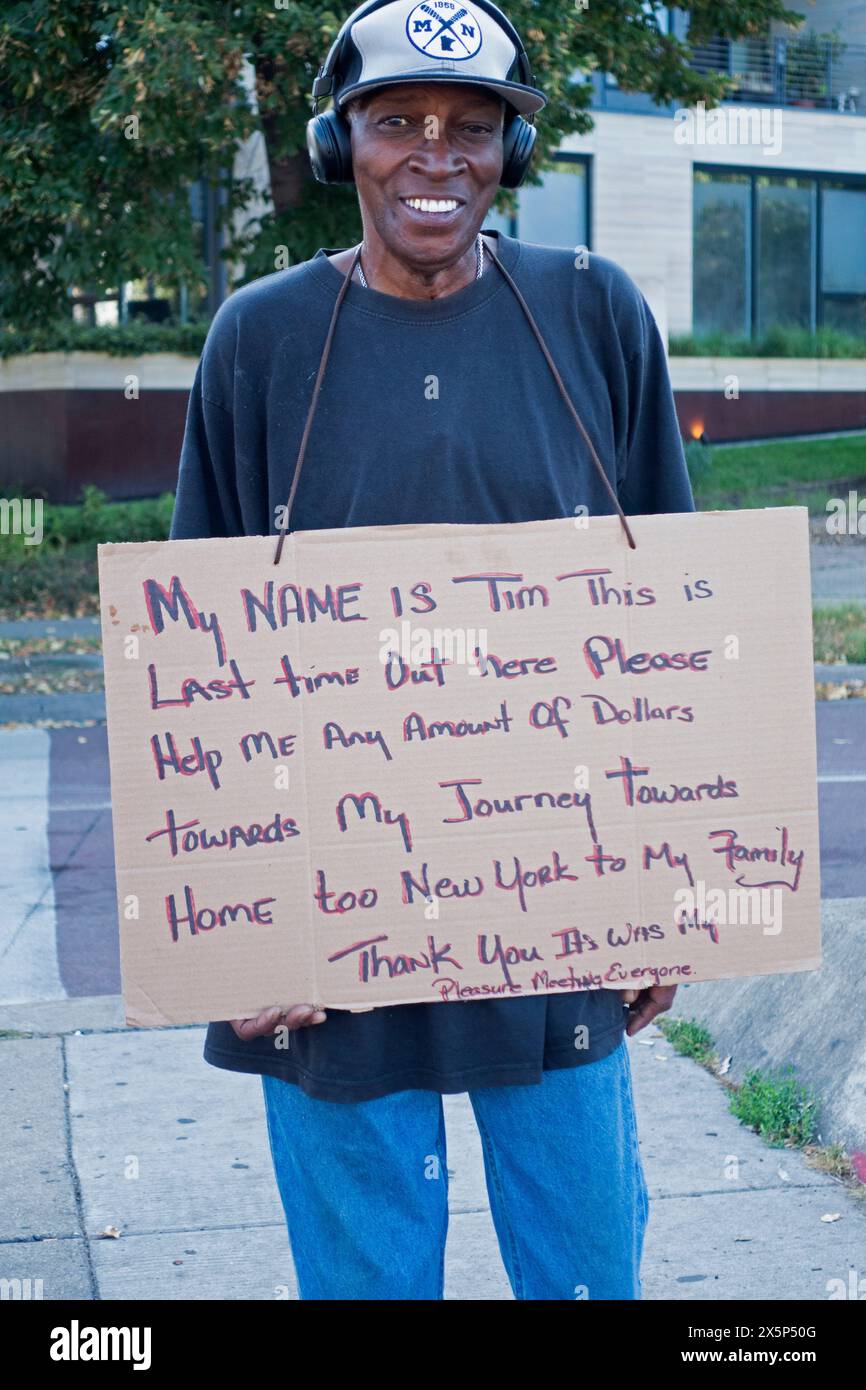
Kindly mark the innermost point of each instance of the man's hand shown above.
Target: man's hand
(644, 1004)
(271, 1020)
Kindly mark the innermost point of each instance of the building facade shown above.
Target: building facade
(737, 219)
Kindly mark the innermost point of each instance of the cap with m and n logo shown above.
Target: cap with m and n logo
(406, 41)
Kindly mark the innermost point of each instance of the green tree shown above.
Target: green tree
(109, 111)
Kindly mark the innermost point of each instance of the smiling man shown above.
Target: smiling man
(337, 356)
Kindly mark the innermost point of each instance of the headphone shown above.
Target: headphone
(328, 140)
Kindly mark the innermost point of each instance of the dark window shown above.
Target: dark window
(785, 253)
(778, 250)
(722, 233)
(843, 258)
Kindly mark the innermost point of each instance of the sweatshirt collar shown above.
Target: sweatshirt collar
(419, 310)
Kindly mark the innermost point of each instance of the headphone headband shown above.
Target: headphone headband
(328, 136)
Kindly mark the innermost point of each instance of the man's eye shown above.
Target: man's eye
(387, 119)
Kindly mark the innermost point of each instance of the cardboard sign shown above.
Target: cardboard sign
(438, 763)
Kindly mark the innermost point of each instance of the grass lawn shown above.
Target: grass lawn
(50, 584)
(788, 473)
(840, 633)
(778, 474)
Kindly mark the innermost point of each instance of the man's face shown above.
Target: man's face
(437, 141)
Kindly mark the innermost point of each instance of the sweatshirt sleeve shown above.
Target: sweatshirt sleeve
(207, 501)
(655, 477)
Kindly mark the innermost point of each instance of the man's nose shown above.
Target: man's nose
(438, 157)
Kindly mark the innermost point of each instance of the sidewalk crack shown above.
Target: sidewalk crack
(73, 1173)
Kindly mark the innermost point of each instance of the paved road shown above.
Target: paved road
(842, 797)
(58, 927)
(839, 572)
(58, 920)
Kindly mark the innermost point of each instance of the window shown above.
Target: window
(785, 253)
(556, 213)
(722, 253)
(843, 258)
(778, 250)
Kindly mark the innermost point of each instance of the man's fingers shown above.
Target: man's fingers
(649, 1003)
(269, 1020)
(643, 1013)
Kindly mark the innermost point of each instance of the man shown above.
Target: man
(353, 1102)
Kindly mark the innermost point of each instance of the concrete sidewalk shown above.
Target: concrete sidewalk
(130, 1129)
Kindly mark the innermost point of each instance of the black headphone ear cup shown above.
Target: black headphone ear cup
(329, 146)
(517, 147)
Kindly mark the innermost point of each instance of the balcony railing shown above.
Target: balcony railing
(806, 70)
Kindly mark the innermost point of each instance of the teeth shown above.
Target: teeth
(432, 204)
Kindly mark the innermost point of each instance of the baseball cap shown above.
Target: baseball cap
(443, 40)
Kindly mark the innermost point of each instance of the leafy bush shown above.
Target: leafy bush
(779, 1108)
(131, 339)
(689, 1038)
(777, 342)
(94, 520)
(59, 576)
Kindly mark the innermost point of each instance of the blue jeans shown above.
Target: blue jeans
(364, 1186)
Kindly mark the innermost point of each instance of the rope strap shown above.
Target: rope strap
(326, 352)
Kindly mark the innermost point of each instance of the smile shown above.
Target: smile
(434, 205)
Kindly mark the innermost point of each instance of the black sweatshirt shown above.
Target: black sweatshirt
(437, 410)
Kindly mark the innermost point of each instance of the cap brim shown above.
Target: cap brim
(525, 100)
